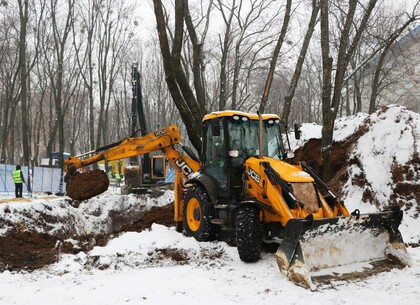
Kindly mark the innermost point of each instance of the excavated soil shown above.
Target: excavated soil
(86, 185)
(404, 177)
(340, 152)
(28, 251)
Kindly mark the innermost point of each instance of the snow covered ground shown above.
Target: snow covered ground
(161, 266)
(226, 280)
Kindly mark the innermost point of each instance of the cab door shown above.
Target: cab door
(214, 154)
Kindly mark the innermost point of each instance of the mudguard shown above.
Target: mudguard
(207, 182)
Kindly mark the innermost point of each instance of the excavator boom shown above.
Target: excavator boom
(129, 147)
(87, 185)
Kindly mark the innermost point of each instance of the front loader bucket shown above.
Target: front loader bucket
(82, 186)
(318, 252)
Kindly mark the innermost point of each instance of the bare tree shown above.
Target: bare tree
(60, 37)
(178, 85)
(9, 81)
(243, 49)
(23, 18)
(114, 36)
(84, 28)
(389, 42)
(275, 56)
(102, 31)
(298, 68)
(225, 46)
(198, 55)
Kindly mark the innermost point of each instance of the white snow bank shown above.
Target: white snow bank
(202, 279)
(58, 217)
(343, 128)
(392, 139)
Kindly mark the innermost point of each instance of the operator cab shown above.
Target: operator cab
(230, 138)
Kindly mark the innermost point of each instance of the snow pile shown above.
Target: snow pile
(385, 167)
(64, 218)
(229, 281)
(343, 128)
(158, 247)
(381, 163)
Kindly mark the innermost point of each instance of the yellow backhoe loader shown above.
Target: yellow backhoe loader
(244, 190)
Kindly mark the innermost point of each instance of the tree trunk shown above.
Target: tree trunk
(275, 56)
(175, 78)
(198, 65)
(227, 41)
(346, 50)
(23, 17)
(327, 61)
(298, 68)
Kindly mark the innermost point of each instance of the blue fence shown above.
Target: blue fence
(43, 179)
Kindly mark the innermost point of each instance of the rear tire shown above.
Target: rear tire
(248, 234)
(198, 213)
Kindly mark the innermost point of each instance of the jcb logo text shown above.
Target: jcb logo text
(254, 175)
(184, 167)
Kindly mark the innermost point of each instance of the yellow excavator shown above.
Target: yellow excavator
(244, 190)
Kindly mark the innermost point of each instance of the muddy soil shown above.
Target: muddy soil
(82, 186)
(31, 250)
(405, 177)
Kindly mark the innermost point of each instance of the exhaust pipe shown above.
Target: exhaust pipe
(260, 134)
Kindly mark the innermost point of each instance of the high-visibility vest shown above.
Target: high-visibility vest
(16, 176)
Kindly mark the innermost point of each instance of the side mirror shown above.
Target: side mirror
(297, 132)
(234, 153)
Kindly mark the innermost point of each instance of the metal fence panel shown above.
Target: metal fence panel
(44, 179)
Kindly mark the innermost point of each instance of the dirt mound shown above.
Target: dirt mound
(161, 215)
(86, 185)
(28, 250)
(349, 168)
(406, 188)
(340, 152)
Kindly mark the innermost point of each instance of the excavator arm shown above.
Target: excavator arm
(86, 185)
(129, 147)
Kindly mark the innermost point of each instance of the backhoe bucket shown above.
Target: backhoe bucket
(82, 186)
(317, 252)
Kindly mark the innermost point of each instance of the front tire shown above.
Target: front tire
(248, 234)
(198, 213)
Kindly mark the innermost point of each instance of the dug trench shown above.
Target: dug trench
(29, 250)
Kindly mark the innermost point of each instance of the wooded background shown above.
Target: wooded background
(65, 65)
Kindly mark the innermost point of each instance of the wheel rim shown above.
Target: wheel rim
(193, 214)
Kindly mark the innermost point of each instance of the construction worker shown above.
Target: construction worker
(18, 179)
(118, 178)
(110, 173)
